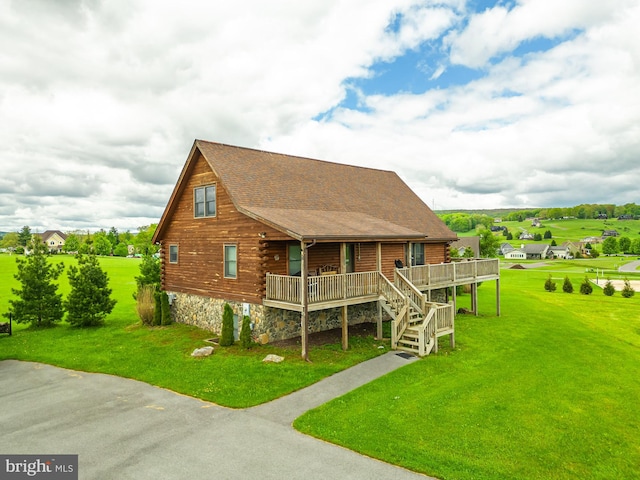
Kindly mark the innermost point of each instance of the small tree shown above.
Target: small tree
(608, 289)
(585, 287)
(226, 336)
(624, 244)
(549, 284)
(245, 333)
(149, 273)
(38, 302)
(567, 286)
(89, 301)
(627, 290)
(610, 246)
(24, 236)
(121, 250)
(165, 308)
(71, 244)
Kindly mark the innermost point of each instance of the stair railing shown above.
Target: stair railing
(399, 305)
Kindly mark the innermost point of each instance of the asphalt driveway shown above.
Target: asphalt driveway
(126, 429)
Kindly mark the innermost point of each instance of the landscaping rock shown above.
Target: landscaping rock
(263, 338)
(273, 358)
(202, 352)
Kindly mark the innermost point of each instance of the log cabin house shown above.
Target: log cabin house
(304, 245)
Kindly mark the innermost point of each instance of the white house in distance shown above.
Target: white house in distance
(515, 254)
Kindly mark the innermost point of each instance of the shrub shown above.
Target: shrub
(226, 336)
(157, 309)
(549, 284)
(145, 303)
(245, 333)
(627, 290)
(585, 287)
(166, 309)
(567, 286)
(608, 289)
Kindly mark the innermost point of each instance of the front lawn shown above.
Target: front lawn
(162, 355)
(549, 390)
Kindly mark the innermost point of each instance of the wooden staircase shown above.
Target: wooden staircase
(417, 324)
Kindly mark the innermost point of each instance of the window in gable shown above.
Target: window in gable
(231, 261)
(204, 201)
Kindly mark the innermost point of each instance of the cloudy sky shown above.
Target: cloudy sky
(476, 104)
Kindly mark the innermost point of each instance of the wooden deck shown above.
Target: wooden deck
(417, 323)
(328, 291)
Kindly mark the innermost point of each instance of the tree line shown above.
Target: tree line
(464, 222)
(102, 242)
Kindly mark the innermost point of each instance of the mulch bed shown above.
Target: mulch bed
(330, 336)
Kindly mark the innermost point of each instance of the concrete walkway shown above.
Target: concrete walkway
(126, 429)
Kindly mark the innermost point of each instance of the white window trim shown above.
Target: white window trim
(224, 260)
(177, 253)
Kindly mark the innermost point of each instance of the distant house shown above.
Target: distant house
(609, 233)
(592, 240)
(574, 247)
(559, 252)
(497, 228)
(515, 254)
(526, 236)
(467, 242)
(602, 216)
(625, 217)
(536, 251)
(536, 223)
(506, 248)
(54, 240)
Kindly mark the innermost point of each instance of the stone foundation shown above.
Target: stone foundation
(277, 324)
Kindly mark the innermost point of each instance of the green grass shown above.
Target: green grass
(161, 355)
(549, 390)
(574, 229)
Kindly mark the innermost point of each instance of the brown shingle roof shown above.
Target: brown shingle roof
(310, 199)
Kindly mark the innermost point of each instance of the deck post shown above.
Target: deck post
(345, 328)
(474, 298)
(498, 297)
(379, 268)
(454, 299)
(304, 290)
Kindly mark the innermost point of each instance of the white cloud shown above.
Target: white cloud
(100, 100)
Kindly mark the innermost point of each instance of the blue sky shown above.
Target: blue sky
(507, 104)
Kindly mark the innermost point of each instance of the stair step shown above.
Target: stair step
(407, 349)
(408, 342)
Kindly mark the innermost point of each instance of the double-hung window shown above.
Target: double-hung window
(204, 201)
(231, 261)
(173, 253)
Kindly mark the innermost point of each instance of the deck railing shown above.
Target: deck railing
(329, 288)
(322, 288)
(443, 274)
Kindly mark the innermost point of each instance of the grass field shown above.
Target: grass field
(572, 229)
(548, 390)
(161, 355)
